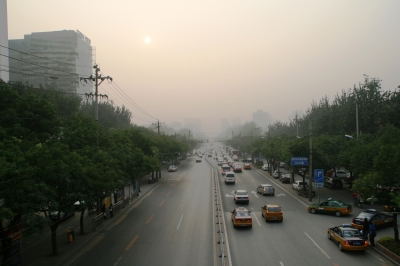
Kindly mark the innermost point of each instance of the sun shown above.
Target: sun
(147, 40)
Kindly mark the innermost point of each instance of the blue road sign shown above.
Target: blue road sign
(319, 176)
(299, 161)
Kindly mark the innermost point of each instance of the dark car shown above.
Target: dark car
(380, 220)
(285, 178)
(333, 183)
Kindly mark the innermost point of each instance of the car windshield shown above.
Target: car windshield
(242, 214)
(274, 209)
(365, 215)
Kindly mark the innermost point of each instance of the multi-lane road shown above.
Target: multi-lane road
(174, 225)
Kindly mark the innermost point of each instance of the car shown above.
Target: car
(276, 174)
(299, 185)
(53, 216)
(347, 237)
(282, 165)
(225, 168)
(247, 166)
(230, 178)
(380, 220)
(272, 212)
(209, 155)
(285, 178)
(237, 168)
(338, 173)
(331, 182)
(265, 167)
(330, 206)
(235, 158)
(198, 160)
(241, 196)
(266, 189)
(241, 217)
(172, 168)
(391, 207)
(220, 161)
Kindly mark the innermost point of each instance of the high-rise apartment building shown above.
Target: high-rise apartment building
(3, 41)
(262, 119)
(57, 58)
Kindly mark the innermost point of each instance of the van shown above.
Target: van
(225, 168)
(230, 178)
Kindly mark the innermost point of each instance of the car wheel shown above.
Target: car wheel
(329, 236)
(338, 213)
(340, 247)
(313, 211)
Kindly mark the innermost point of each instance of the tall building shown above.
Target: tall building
(57, 58)
(3, 41)
(262, 119)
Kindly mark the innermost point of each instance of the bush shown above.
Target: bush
(390, 244)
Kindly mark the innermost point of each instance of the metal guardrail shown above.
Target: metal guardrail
(98, 221)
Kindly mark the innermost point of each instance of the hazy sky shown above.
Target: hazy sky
(211, 60)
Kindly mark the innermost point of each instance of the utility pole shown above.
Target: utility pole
(96, 79)
(310, 178)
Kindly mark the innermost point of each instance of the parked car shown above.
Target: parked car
(347, 237)
(380, 220)
(299, 185)
(277, 174)
(331, 182)
(339, 173)
(266, 189)
(285, 178)
(265, 167)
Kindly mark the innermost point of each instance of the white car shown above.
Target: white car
(277, 174)
(341, 174)
(241, 196)
(265, 167)
(266, 189)
(230, 178)
(299, 185)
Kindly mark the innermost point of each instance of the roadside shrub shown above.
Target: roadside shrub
(390, 244)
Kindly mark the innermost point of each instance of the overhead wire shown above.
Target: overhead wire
(42, 57)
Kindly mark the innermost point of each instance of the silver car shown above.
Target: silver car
(230, 178)
(266, 189)
(241, 196)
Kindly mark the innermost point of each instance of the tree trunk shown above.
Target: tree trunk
(81, 221)
(54, 238)
(396, 231)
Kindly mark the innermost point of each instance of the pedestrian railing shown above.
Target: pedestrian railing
(98, 221)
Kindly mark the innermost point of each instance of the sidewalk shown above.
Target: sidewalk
(37, 250)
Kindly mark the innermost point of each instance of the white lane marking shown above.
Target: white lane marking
(280, 194)
(256, 219)
(180, 222)
(252, 180)
(117, 261)
(229, 196)
(323, 252)
(375, 256)
(255, 193)
(281, 263)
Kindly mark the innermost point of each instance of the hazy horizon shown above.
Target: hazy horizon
(211, 60)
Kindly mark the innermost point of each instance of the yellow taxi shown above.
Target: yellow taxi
(379, 219)
(241, 218)
(330, 206)
(247, 166)
(272, 212)
(347, 237)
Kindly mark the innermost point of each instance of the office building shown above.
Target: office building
(55, 59)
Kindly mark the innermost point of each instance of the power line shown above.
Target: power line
(41, 66)
(42, 57)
